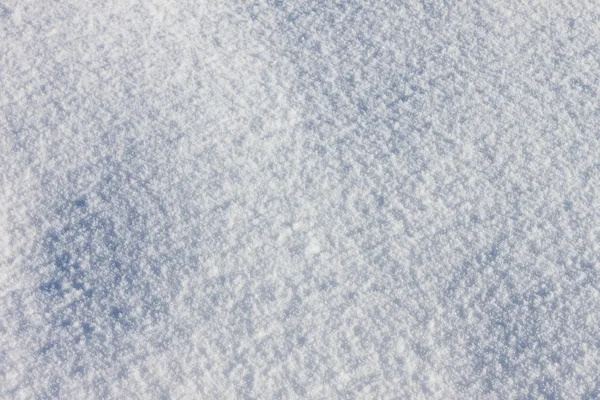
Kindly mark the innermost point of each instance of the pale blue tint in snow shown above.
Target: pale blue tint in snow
(289, 199)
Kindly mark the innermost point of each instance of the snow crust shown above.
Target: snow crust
(299, 199)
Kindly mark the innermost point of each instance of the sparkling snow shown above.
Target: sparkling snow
(299, 199)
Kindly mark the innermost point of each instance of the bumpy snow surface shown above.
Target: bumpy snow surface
(299, 199)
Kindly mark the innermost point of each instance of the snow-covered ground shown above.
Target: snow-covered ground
(299, 199)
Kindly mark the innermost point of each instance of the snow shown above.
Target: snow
(358, 199)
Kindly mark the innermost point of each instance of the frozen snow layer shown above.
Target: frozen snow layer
(224, 199)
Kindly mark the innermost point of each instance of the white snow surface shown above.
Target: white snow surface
(299, 199)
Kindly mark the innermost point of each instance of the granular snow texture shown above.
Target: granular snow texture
(299, 199)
